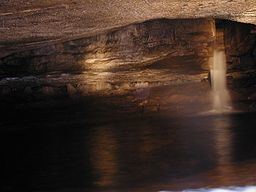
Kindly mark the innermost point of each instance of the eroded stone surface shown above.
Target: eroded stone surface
(127, 48)
(240, 45)
(25, 24)
(140, 56)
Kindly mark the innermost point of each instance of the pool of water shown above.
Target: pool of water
(227, 189)
(159, 152)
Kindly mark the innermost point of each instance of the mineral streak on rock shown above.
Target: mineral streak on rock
(28, 23)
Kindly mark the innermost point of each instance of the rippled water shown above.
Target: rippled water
(146, 153)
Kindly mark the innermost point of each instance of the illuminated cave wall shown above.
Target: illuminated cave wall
(139, 56)
(131, 46)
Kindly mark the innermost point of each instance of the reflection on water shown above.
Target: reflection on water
(152, 153)
(223, 138)
(229, 189)
(104, 157)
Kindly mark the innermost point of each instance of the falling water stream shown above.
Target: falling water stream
(221, 98)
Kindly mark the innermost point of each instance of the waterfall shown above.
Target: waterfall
(221, 98)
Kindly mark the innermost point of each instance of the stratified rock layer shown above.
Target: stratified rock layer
(130, 47)
(28, 23)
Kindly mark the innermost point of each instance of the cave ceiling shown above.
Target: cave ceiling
(26, 24)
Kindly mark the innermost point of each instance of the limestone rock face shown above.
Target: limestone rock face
(27, 23)
(130, 47)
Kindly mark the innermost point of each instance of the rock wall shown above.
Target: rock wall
(28, 23)
(130, 60)
(121, 49)
(240, 44)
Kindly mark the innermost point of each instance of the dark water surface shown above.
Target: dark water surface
(146, 153)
